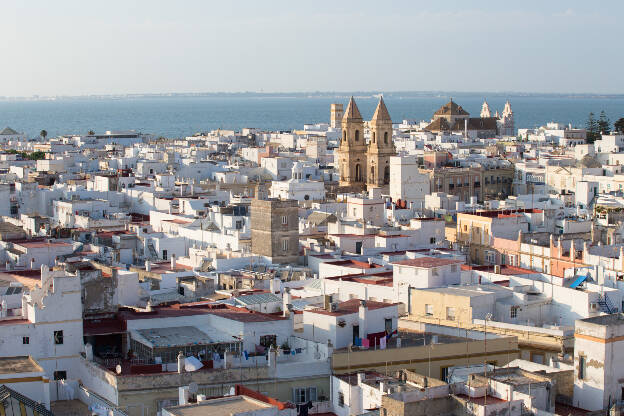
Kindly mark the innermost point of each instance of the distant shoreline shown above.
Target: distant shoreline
(317, 94)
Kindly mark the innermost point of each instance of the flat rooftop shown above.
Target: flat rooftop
(224, 406)
(172, 337)
(419, 339)
(20, 364)
(612, 319)
(468, 290)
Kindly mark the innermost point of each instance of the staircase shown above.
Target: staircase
(152, 251)
(606, 305)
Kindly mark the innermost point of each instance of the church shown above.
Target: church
(451, 117)
(360, 164)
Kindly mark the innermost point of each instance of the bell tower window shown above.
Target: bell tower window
(374, 137)
(357, 135)
(386, 137)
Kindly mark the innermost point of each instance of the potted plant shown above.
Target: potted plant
(285, 347)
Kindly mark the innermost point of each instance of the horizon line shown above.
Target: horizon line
(318, 92)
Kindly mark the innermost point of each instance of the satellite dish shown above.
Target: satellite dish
(118, 369)
(193, 387)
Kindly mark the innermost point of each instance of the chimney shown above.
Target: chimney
(173, 261)
(148, 266)
(89, 352)
(183, 394)
(360, 378)
(572, 250)
(362, 312)
(181, 361)
(327, 300)
(286, 300)
(382, 387)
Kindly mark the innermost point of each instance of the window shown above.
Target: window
(25, 340)
(284, 220)
(388, 325)
(357, 135)
(432, 240)
(60, 375)
(386, 137)
(165, 254)
(514, 312)
(341, 402)
(450, 313)
(304, 395)
(428, 310)
(444, 372)
(268, 340)
(284, 245)
(582, 367)
(58, 337)
(374, 137)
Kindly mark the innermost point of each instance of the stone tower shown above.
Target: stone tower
(485, 110)
(275, 230)
(352, 150)
(380, 147)
(506, 123)
(336, 113)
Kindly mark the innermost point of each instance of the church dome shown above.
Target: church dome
(588, 162)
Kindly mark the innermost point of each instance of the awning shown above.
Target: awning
(578, 281)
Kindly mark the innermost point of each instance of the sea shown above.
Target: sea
(180, 116)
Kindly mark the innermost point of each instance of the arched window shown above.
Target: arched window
(358, 173)
(344, 135)
(386, 137)
(387, 174)
(374, 137)
(357, 135)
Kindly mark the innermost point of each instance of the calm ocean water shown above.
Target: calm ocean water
(181, 116)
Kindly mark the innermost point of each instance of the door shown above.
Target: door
(358, 247)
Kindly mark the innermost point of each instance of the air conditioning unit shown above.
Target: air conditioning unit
(333, 307)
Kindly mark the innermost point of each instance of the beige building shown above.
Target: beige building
(428, 349)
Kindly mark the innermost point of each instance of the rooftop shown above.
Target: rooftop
(427, 262)
(233, 405)
(351, 306)
(612, 319)
(20, 364)
(172, 337)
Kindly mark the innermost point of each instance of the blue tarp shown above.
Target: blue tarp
(578, 281)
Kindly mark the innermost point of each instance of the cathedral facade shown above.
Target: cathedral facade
(360, 164)
(451, 117)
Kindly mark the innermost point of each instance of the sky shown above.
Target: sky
(77, 47)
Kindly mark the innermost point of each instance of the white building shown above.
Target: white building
(407, 183)
(49, 328)
(342, 322)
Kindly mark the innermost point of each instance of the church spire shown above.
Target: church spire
(381, 112)
(352, 112)
(485, 110)
(507, 110)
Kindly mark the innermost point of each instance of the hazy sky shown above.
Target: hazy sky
(107, 47)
